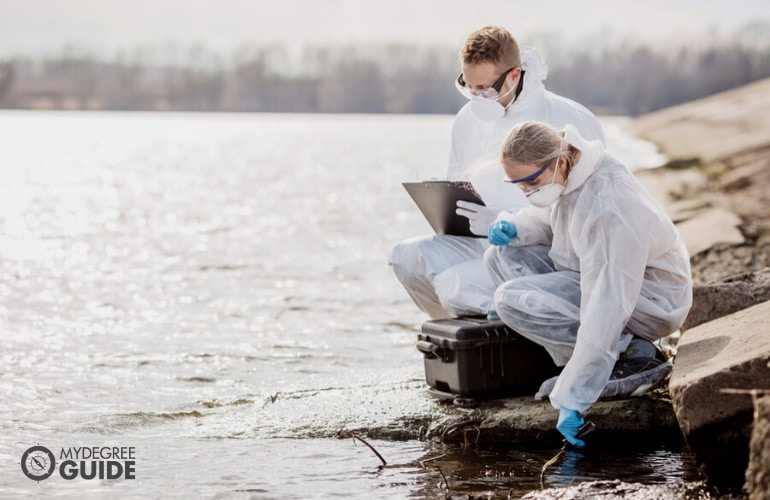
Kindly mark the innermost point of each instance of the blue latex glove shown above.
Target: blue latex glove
(501, 233)
(569, 424)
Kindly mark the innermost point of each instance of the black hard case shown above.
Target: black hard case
(479, 358)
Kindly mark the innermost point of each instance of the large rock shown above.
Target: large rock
(676, 185)
(713, 127)
(758, 473)
(699, 232)
(729, 353)
(523, 420)
(397, 407)
(717, 299)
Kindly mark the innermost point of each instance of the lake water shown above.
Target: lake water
(211, 291)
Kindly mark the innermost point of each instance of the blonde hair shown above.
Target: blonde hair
(491, 44)
(536, 143)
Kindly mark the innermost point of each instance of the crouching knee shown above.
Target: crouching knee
(404, 256)
(506, 303)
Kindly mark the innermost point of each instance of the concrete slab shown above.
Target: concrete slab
(729, 353)
(710, 227)
(713, 127)
(523, 420)
(669, 185)
(720, 298)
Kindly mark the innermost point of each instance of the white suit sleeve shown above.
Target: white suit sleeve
(533, 226)
(613, 251)
(453, 168)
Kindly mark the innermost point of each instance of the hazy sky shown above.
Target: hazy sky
(44, 26)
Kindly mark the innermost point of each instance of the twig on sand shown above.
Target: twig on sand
(348, 434)
(585, 429)
(550, 463)
(423, 462)
(446, 483)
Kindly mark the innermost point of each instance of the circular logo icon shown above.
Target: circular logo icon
(38, 463)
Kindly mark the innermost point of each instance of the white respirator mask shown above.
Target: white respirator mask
(548, 194)
(489, 109)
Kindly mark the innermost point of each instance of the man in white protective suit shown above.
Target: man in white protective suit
(594, 271)
(443, 274)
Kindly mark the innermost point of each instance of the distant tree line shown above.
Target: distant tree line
(632, 80)
(620, 79)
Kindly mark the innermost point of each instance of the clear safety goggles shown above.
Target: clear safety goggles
(527, 183)
(492, 92)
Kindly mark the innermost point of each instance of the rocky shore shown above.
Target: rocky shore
(716, 187)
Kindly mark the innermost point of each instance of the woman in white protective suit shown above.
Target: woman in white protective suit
(444, 275)
(594, 271)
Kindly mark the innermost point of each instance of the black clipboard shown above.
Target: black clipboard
(437, 200)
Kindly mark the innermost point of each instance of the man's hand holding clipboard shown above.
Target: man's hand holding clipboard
(451, 207)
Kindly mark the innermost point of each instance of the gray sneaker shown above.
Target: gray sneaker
(640, 355)
(639, 368)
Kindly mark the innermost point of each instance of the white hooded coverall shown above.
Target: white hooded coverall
(445, 275)
(603, 262)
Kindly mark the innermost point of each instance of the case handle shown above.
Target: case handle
(428, 349)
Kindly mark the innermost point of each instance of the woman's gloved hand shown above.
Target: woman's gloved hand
(479, 216)
(569, 424)
(501, 233)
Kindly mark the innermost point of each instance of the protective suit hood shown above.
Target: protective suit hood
(591, 153)
(535, 72)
